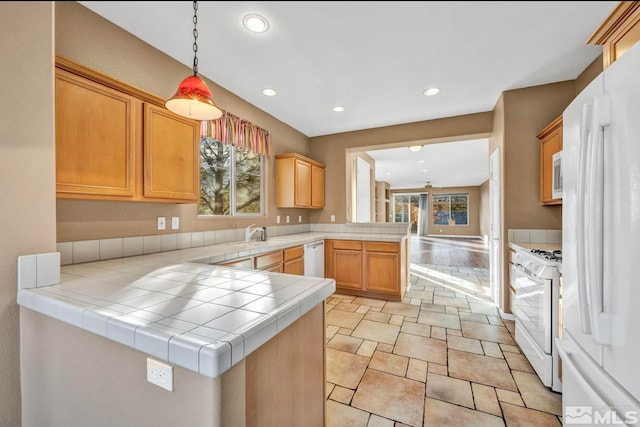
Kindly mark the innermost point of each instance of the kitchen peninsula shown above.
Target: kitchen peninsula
(246, 346)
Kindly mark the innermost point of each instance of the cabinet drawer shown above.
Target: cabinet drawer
(266, 260)
(245, 263)
(381, 247)
(293, 253)
(353, 245)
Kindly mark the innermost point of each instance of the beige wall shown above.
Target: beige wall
(331, 150)
(90, 40)
(590, 73)
(27, 165)
(484, 211)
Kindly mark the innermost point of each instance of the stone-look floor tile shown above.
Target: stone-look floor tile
(450, 390)
(416, 329)
(519, 416)
(472, 317)
(432, 307)
(345, 343)
(341, 394)
(509, 397)
(510, 348)
(451, 302)
(421, 295)
(464, 344)
(518, 362)
(328, 388)
(391, 397)
(375, 309)
(367, 348)
(443, 414)
(401, 425)
(376, 331)
(401, 309)
(511, 326)
(387, 348)
(436, 368)
(536, 395)
(371, 302)
(344, 369)
(493, 333)
(340, 415)
(454, 332)
(396, 319)
(377, 316)
(487, 308)
(345, 331)
(492, 349)
(343, 319)
(363, 309)
(480, 369)
(486, 399)
(377, 421)
(422, 348)
(438, 333)
(450, 321)
(417, 370)
(444, 294)
(390, 363)
(347, 306)
(451, 310)
(410, 319)
(495, 320)
(415, 301)
(330, 331)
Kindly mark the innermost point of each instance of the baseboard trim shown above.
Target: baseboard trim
(507, 316)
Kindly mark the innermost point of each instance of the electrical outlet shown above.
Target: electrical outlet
(175, 222)
(160, 374)
(162, 223)
(299, 218)
(277, 219)
(333, 218)
(287, 219)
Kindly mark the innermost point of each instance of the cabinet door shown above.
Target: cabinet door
(171, 156)
(95, 139)
(347, 268)
(317, 187)
(295, 266)
(381, 267)
(302, 184)
(550, 143)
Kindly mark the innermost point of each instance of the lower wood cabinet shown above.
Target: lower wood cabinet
(294, 260)
(289, 260)
(366, 268)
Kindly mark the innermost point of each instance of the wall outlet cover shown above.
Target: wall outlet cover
(287, 219)
(160, 374)
(277, 219)
(333, 218)
(162, 223)
(299, 218)
(175, 222)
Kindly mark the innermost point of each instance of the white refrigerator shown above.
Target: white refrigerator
(600, 341)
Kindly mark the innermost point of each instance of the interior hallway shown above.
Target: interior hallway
(441, 357)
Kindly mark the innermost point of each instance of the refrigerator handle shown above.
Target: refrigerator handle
(583, 302)
(594, 223)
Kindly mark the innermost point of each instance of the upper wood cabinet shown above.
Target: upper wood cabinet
(550, 143)
(619, 31)
(115, 142)
(299, 182)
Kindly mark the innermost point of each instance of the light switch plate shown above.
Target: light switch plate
(333, 218)
(160, 374)
(287, 219)
(277, 219)
(175, 222)
(299, 218)
(162, 223)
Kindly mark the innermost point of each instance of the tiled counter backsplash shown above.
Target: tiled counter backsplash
(103, 249)
(535, 236)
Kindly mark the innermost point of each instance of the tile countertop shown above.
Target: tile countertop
(178, 307)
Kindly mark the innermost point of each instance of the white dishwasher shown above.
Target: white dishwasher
(314, 259)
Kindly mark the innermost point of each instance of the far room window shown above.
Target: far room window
(450, 209)
(231, 180)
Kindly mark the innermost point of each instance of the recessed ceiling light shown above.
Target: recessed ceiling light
(431, 91)
(269, 92)
(388, 173)
(338, 109)
(255, 23)
(378, 165)
(425, 170)
(420, 161)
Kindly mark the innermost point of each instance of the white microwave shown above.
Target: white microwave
(556, 175)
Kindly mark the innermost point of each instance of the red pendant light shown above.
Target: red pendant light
(193, 98)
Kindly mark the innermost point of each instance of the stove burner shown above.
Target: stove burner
(555, 255)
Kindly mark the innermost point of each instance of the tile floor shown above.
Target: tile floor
(441, 357)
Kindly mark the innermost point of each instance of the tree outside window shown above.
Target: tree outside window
(230, 180)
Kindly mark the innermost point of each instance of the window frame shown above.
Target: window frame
(232, 187)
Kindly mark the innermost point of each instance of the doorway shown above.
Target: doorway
(412, 208)
(495, 202)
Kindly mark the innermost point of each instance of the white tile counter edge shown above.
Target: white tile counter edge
(209, 356)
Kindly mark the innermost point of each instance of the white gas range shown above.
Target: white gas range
(535, 276)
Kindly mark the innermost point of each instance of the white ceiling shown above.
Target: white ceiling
(374, 58)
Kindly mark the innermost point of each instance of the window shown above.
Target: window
(451, 209)
(230, 180)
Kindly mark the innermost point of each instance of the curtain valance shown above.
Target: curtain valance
(231, 129)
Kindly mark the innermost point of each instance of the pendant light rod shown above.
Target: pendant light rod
(193, 98)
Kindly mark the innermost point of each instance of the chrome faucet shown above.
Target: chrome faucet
(250, 231)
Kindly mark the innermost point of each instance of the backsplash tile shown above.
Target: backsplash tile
(111, 248)
(66, 252)
(133, 246)
(534, 236)
(169, 242)
(152, 244)
(538, 236)
(197, 239)
(48, 269)
(86, 251)
(184, 240)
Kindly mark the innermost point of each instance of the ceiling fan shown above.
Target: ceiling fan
(428, 185)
